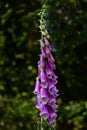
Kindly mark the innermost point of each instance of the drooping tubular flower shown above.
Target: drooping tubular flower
(45, 86)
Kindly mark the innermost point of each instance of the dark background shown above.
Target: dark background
(19, 50)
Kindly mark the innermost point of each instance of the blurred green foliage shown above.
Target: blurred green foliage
(19, 49)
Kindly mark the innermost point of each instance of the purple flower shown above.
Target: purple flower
(54, 80)
(56, 95)
(52, 100)
(43, 52)
(39, 70)
(38, 102)
(42, 62)
(49, 72)
(52, 65)
(54, 106)
(44, 95)
(37, 87)
(51, 121)
(54, 76)
(48, 44)
(51, 90)
(47, 50)
(51, 58)
(42, 44)
(45, 86)
(53, 115)
(43, 79)
(44, 111)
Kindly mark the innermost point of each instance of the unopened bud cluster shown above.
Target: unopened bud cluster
(42, 27)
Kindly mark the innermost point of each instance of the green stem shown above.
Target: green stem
(42, 20)
(41, 123)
